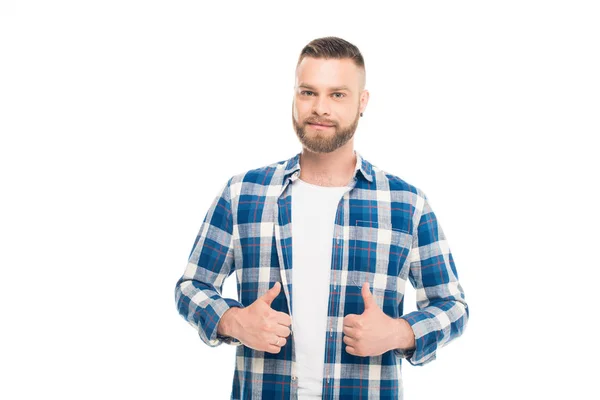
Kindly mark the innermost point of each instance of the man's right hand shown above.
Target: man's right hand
(258, 326)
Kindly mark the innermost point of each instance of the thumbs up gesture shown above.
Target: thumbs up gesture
(260, 327)
(373, 332)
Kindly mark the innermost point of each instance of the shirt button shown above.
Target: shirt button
(293, 378)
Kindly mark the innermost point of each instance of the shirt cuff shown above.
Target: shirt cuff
(209, 334)
(425, 339)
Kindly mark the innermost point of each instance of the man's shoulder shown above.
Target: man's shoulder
(259, 174)
(265, 175)
(394, 182)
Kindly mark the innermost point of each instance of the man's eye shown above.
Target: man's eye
(340, 95)
(304, 92)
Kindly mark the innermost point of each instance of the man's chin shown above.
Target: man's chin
(321, 148)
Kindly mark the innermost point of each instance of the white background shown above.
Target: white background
(121, 120)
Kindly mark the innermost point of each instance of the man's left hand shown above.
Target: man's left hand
(373, 332)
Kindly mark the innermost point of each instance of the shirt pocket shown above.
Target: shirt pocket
(377, 254)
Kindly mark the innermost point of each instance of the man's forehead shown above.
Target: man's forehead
(332, 74)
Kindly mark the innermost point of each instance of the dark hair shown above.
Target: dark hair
(332, 47)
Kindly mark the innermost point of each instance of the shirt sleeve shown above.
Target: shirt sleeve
(198, 291)
(442, 310)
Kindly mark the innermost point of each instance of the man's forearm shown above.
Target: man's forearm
(404, 337)
(228, 323)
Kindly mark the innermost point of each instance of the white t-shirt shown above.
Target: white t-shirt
(313, 217)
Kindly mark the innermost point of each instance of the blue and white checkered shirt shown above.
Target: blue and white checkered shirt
(385, 233)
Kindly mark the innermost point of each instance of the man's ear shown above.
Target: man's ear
(364, 99)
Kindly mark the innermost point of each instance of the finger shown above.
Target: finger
(367, 296)
(272, 293)
(283, 318)
(349, 341)
(352, 332)
(273, 349)
(282, 331)
(279, 341)
(350, 350)
(350, 320)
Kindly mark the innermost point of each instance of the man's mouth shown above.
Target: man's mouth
(320, 125)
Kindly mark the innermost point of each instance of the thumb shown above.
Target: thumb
(368, 296)
(272, 293)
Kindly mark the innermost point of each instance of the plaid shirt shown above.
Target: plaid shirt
(385, 232)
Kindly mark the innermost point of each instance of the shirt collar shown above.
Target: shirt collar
(362, 165)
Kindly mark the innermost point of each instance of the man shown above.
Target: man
(322, 245)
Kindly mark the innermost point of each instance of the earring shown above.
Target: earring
(361, 114)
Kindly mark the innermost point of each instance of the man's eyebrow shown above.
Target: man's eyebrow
(343, 87)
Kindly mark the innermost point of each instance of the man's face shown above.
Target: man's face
(328, 100)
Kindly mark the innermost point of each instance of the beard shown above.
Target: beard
(325, 142)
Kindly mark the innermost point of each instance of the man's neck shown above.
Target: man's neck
(328, 169)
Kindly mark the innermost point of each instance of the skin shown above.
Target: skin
(328, 91)
(331, 92)
(258, 326)
(373, 332)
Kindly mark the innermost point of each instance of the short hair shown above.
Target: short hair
(332, 47)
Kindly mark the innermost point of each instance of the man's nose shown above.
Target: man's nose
(321, 105)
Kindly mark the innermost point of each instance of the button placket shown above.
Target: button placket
(339, 243)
